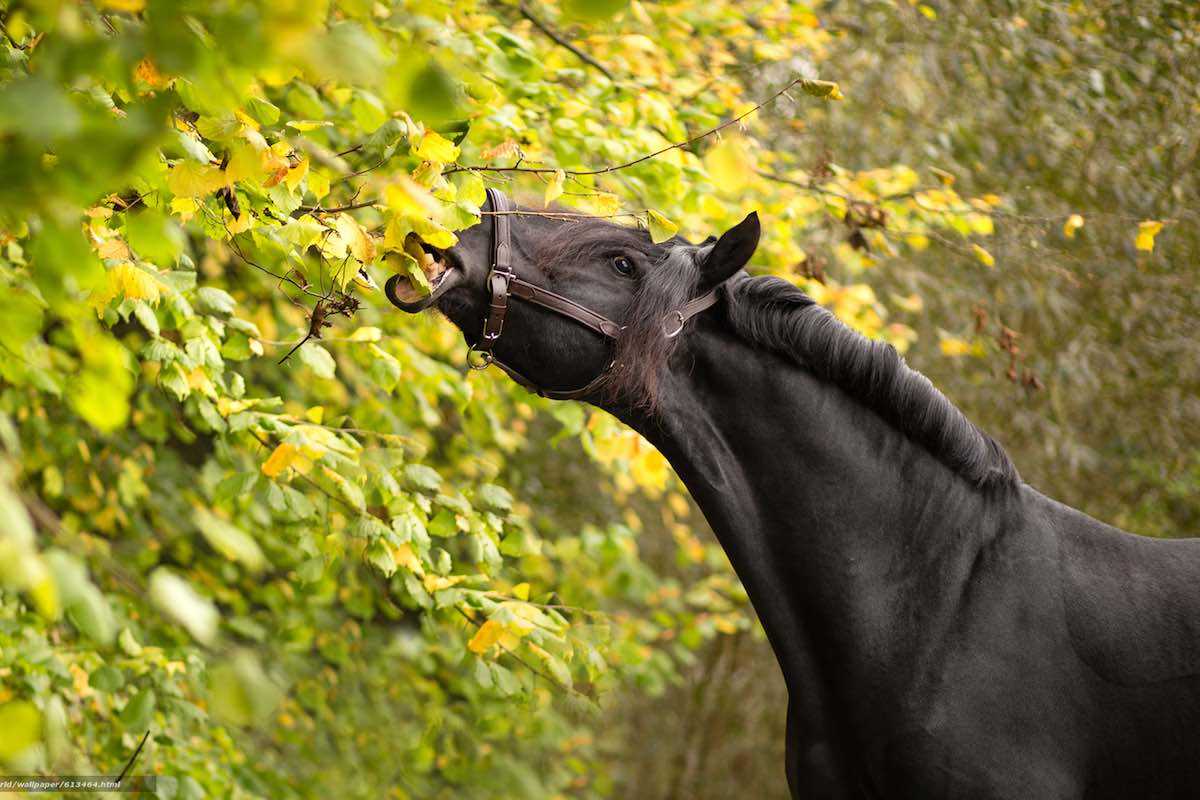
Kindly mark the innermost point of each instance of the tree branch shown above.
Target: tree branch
(560, 40)
(640, 159)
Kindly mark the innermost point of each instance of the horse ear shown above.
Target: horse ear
(731, 252)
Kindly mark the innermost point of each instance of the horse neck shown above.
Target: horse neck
(845, 533)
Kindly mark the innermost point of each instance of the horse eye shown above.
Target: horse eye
(623, 266)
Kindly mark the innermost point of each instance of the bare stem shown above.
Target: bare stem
(562, 41)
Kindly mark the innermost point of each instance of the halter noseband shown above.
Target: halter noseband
(503, 283)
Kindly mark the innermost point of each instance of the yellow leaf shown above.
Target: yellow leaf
(318, 185)
(435, 583)
(946, 178)
(984, 256)
(79, 681)
(1147, 230)
(408, 559)
(661, 228)
(825, 89)
(361, 245)
(20, 729)
(917, 241)
(952, 346)
(406, 196)
(521, 591)
(505, 149)
(366, 334)
(296, 174)
(605, 204)
(488, 635)
(435, 147)
(128, 6)
(1072, 225)
(730, 163)
(148, 73)
(113, 248)
(554, 188)
(981, 224)
(304, 125)
(286, 456)
(189, 179)
(433, 233)
(227, 406)
(650, 469)
(129, 282)
(239, 224)
(198, 379)
(275, 163)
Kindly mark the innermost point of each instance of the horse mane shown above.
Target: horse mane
(772, 313)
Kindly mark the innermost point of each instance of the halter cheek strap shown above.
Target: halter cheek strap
(503, 283)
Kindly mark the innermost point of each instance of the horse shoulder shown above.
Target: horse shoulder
(1132, 603)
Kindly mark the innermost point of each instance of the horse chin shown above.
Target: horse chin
(443, 274)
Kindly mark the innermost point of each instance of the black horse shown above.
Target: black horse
(944, 629)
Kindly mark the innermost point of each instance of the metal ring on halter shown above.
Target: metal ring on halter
(485, 358)
(678, 328)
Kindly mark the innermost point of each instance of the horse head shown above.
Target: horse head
(570, 305)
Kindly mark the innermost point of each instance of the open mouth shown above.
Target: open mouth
(411, 292)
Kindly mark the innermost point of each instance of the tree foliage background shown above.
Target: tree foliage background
(353, 571)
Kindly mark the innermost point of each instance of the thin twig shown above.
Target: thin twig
(560, 214)
(237, 250)
(560, 40)
(302, 210)
(638, 160)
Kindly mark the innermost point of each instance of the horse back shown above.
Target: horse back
(1132, 602)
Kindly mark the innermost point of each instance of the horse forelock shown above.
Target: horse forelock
(642, 351)
(586, 239)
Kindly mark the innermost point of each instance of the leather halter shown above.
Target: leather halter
(503, 283)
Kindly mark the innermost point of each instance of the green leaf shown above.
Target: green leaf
(193, 147)
(211, 300)
(176, 599)
(317, 359)
(240, 692)
(380, 556)
(85, 606)
(423, 478)
(106, 679)
(38, 110)
(593, 10)
(129, 643)
(494, 498)
(264, 111)
(138, 711)
(230, 540)
(385, 369)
